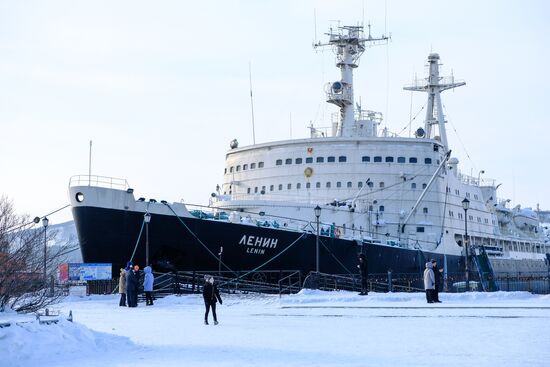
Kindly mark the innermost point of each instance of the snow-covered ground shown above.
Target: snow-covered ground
(312, 328)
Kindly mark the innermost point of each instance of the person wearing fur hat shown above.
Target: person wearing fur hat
(364, 272)
(429, 282)
(211, 295)
(148, 281)
(122, 287)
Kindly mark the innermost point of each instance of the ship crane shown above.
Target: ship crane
(434, 85)
(348, 43)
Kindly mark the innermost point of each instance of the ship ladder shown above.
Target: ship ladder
(485, 270)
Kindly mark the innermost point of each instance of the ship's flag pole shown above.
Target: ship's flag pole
(90, 165)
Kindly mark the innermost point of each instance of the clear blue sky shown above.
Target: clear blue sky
(162, 87)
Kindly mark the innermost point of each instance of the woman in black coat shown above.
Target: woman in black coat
(211, 295)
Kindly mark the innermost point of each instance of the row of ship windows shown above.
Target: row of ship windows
(470, 217)
(328, 185)
(457, 193)
(330, 159)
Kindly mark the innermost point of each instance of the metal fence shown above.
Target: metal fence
(291, 281)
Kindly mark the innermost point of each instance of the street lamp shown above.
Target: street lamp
(147, 219)
(317, 210)
(466, 206)
(45, 224)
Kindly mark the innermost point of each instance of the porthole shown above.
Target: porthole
(79, 197)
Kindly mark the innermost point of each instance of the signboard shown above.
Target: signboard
(82, 272)
(63, 272)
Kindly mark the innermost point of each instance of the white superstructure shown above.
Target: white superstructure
(391, 190)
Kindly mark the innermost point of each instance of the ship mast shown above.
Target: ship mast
(434, 85)
(348, 43)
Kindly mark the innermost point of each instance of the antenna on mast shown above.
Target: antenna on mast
(251, 102)
(90, 165)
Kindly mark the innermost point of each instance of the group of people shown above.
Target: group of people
(432, 281)
(129, 282)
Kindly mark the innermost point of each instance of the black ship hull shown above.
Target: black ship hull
(189, 243)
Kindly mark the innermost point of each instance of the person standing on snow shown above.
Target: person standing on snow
(211, 295)
(122, 287)
(429, 282)
(364, 272)
(438, 276)
(148, 281)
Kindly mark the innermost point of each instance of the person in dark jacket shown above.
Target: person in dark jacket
(364, 272)
(438, 276)
(132, 285)
(211, 295)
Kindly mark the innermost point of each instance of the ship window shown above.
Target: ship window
(470, 217)
(360, 184)
(230, 169)
(420, 229)
(401, 159)
(437, 161)
(318, 185)
(479, 219)
(252, 165)
(365, 158)
(328, 185)
(468, 195)
(320, 159)
(308, 185)
(288, 161)
(475, 196)
(370, 184)
(338, 184)
(280, 187)
(271, 187)
(298, 185)
(381, 184)
(238, 168)
(260, 164)
(245, 167)
(413, 160)
(331, 159)
(309, 160)
(424, 186)
(413, 185)
(349, 184)
(486, 221)
(248, 191)
(381, 208)
(450, 213)
(428, 160)
(342, 158)
(389, 159)
(256, 190)
(79, 197)
(289, 186)
(425, 210)
(460, 215)
(278, 162)
(298, 161)
(225, 171)
(378, 159)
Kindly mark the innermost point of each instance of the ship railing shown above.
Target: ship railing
(292, 283)
(475, 181)
(99, 181)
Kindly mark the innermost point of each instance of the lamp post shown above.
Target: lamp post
(317, 210)
(466, 206)
(147, 219)
(45, 224)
